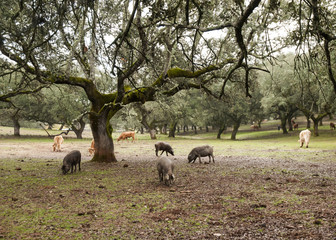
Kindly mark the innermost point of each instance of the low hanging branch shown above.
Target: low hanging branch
(51, 136)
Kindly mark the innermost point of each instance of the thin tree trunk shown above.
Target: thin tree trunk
(283, 125)
(164, 131)
(316, 125)
(172, 129)
(16, 126)
(221, 129)
(195, 129)
(290, 126)
(152, 133)
(234, 131)
(79, 131)
(321, 122)
(308, 122)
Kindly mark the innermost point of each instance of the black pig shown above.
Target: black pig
(165, 147)
(70, 160)
(199, 152)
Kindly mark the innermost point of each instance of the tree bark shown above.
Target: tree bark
(16, 126)
(79, 131)
(316, 121)
(221, 129)
(289, 120)
(236, 126)
(283, 125)
(195, 129)
(321, 122)
(102, 135)
(172, 129)
(152, 134)
(164, 129)
(316, 124)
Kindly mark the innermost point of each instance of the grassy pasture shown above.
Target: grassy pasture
(262, 186)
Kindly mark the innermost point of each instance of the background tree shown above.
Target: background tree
(315, 34)
(280, 89)
(317, 96)
(150, 116)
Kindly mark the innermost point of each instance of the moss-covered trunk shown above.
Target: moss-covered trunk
(102, 135)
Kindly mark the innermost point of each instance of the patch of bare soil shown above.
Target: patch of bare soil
(41, 150)
(237, 197)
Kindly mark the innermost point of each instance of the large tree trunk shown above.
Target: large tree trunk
(102, 135)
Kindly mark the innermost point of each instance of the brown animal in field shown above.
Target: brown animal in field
(304, 137)
(126, 135)
(296, 126)
(332, 126)
(58, 140)
(254, 127)
(92, 148)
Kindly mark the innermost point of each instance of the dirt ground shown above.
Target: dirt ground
(238, 197)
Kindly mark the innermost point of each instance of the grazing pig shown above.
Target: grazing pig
(70, 160)
(165, 168)
(58, 140)
(304, 137)
(199, 152)
(332, 126)
(164, 147)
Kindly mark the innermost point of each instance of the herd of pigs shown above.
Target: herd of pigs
(165, 166)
